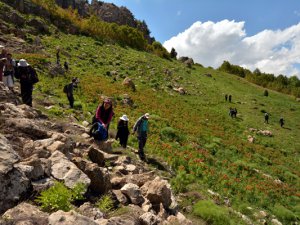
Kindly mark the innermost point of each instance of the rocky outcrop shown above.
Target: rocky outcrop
(35, 152)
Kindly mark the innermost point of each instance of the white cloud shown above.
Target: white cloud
(211, 43)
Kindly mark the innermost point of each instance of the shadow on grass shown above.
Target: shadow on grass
(287, 128)
(160, 166)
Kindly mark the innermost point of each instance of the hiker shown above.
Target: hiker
(66, 66)
(8, 72)
(98, 132)
(141, 126)
(281, 121)
(226, 97)
(2, 60)
(104, 113)
(266, 117)
(123, 131)
(232, 112)
(68, 89)
(28, 77)
(229, 98)
(57, 56)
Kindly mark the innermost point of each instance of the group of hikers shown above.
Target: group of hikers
(22, 70)
(101, 122)
(233, 113)
(11, 69)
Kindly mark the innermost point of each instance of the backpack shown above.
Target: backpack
(32, 76)
(98, 132)
(65, 90)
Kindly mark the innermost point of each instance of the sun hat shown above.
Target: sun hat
(124, 117)
(23, 63)
(147, 115)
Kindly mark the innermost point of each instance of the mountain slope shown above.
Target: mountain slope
(192, 132)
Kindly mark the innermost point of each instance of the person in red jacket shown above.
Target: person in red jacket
(104, 113)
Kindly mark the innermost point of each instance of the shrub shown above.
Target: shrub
(283, 214)
(211, 213)
(180, 182)
(170, 134)
(105, 204)
(59, 197)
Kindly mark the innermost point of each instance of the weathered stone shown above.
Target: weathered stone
(69, 218)
(157, 191)
(133, 192)
(149, 218)
(129, 83)
(63, 169)
(120, 197)
(24, 214)
(96, 156)
(89, 211)
(100, 179)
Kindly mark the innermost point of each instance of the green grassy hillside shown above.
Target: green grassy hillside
(192, 132)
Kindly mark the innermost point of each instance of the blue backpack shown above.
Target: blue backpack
(98, 132)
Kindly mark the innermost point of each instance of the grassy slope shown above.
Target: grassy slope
(203, 129)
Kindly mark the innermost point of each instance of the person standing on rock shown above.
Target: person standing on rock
(28, 77)
(2, 60)
(104, 113)
(68, 89)
(142, 128)
(8, 72)
(123, 131)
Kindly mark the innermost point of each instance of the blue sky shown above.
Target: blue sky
(224, 25)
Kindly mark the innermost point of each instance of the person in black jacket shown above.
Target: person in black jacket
(28, 77)
(123, 131)
(68, 89)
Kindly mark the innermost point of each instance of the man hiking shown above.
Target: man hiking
(281, 121)
(142, 129)
(68, 89)
(266, 117)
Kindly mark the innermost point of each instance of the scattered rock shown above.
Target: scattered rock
(133, 192)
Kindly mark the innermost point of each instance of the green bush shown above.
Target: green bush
(284, 214)
(180, 182)
(59, 197)
(211, 213)
(105, 204)
(170, 134)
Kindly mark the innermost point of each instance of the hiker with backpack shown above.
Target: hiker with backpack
(104, 113)
(68, 89)
(281, 121)
(8, 72)
(142, 128)
(123, 131)
(28, 77)
(266, 118)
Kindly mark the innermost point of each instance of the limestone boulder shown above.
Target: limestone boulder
(158, 191)
(69, 218)
(63, 169)
(133, 192)
(25, 213)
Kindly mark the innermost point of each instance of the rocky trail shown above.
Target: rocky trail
(35, 152)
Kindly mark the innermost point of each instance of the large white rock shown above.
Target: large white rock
(63, 169)
(69, 218)
(133, 192)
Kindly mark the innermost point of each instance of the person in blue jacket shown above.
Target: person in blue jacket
(142, 128)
